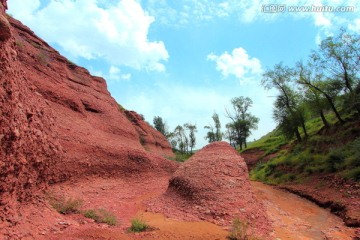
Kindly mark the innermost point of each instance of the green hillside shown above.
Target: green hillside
(333, 150)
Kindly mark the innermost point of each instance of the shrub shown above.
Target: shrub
(101, 216)
(335, 159)
(138, 225)
(353, 174)
(239, 231)
(65, 206)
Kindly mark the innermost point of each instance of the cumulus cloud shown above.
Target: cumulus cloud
(117, 33)
(238, 63)
(116, 75)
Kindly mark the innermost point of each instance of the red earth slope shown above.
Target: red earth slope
(94, 132)
(28, 143)
(58, 122)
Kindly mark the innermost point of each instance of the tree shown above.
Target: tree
(210, 135)
(218, 133)
(192, 139)
(288, 109)
(160, 125)
(338, 58)
(242, 120)
(230, 134)
(181, 138)
(313, 79)
(214, 133)
(317, 104)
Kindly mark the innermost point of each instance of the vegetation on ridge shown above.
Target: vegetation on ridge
(317, 111)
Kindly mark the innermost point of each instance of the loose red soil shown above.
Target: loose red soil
(342, 197)
(291, 216)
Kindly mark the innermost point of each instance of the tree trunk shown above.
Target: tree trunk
(297, 135)
(302, 120)
(329, 100)
(325, 122)
(304, 128)
(334, 108)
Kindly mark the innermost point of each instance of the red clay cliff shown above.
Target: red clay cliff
(58, 122)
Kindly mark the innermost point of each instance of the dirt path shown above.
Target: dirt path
(296, 218)
(292, 216)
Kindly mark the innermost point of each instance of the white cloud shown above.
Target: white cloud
(355, 26)
(117, 33)
(116, 75)
(238, 63)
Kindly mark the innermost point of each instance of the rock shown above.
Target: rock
(5, 32)
(150, 139)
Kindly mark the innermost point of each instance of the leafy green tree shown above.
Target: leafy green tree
(338, 58)
(288, 109)
(214, 133)
(312, 78)
(192, 138)
(210, 135)
(317, 104)
(181, 138)
(230, 134)
(242, 120)
(218, 133)
(160, 125)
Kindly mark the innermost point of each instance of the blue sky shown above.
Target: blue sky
(185, 60)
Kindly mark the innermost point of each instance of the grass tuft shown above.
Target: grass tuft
(138, 225)
(101, 216)
(65, 206)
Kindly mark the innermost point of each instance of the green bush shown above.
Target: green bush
(101, 216)
(138, 225)
(353, 174)
(334, 161)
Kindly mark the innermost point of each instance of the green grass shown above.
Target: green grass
(138, 225)
(101, 216)
(65, 205)
(335, 150)
(180, 157)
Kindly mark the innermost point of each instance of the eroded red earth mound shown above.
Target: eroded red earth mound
(94, 131)
(213, 185)
(57, 122)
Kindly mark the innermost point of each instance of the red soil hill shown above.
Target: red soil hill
(59, 122)
(213, 185)
(28, 142)
(94, 132)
